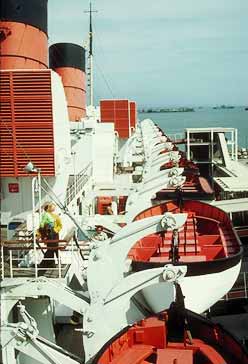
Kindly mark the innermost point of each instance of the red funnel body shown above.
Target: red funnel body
(23, 34)
(74, 84)
(68, 60)
(22, 46)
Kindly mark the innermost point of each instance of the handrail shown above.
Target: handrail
(2, 263)
(17, 241)
(74, 188)
(29, 248)
(195, 235)
(19, 257)
(23, 243)
(207, 218)
(240, 228)
(34, 268)
(185, 236)
(178, 245)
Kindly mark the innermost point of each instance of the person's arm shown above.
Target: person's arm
(58, 224)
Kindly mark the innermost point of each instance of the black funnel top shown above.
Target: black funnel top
(31, 12)
(67, 55)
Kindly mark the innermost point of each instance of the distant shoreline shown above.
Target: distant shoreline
(180, 109)
(190, 109)
(177, 122)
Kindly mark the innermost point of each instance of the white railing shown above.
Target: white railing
(176, 136)
(25, 262)
(2, 262)
(78, 183)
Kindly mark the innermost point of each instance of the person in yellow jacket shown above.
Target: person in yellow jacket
(57, 223)
(51, 223)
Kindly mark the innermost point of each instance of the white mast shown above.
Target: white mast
(90, 58)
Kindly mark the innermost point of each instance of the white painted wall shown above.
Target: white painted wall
(103, 153)
(83, 153)
(62, 143)
(16, 202)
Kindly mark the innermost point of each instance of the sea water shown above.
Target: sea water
(175, 123)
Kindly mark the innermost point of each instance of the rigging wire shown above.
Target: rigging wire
(105, 79)
(17, 142)
(98, 66)
(101, 72)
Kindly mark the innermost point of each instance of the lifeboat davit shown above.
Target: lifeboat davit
(207, 244)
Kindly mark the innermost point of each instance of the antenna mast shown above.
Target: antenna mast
(90, 58)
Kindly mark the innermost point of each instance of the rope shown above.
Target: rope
(17, 142)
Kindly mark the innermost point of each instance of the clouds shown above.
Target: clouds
(166, 51)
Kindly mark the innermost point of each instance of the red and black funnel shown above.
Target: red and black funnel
(23, 34)
(68, 60)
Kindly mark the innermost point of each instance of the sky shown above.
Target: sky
(162, 52)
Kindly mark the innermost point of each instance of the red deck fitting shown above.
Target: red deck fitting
(135, 355)
(172, 356)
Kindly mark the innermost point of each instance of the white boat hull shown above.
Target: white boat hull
(201, 292)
